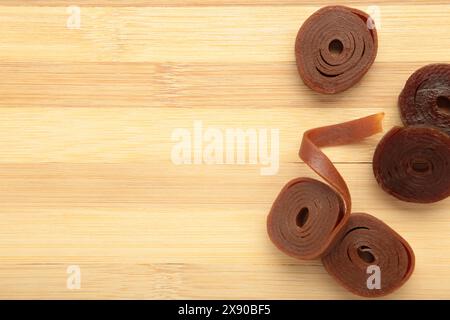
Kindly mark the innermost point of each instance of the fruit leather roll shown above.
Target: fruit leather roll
(334, 48)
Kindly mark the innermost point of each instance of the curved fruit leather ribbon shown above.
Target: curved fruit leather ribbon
(308, 214)
(334, 48)
(310, 219)
(425, 99)
(413, 164)
(366, 241)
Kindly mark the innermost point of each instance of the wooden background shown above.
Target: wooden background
(86, 118)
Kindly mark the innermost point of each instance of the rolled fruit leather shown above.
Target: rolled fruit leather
(308, 214)
(335, 47)
(367, 246)
(425, 99)
(413, 164)
(311, 219)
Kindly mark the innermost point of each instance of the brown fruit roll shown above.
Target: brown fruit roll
(334, 48)
(308, 214)
(413, 164)
(366, 241)
(310, 219)
(425, 99)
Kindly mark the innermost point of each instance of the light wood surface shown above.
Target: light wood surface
(86, 117)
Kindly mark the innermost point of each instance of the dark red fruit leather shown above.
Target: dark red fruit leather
(413, 164)
(425, 99)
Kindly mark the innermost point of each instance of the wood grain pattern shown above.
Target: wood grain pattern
(202, 3)
(86, 176)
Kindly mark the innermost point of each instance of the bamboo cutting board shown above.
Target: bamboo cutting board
(86, 120)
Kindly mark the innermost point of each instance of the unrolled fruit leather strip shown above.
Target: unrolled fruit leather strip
(308, 214)
(364, 242)
(425, 99)
(334, 48)
(413, 164)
